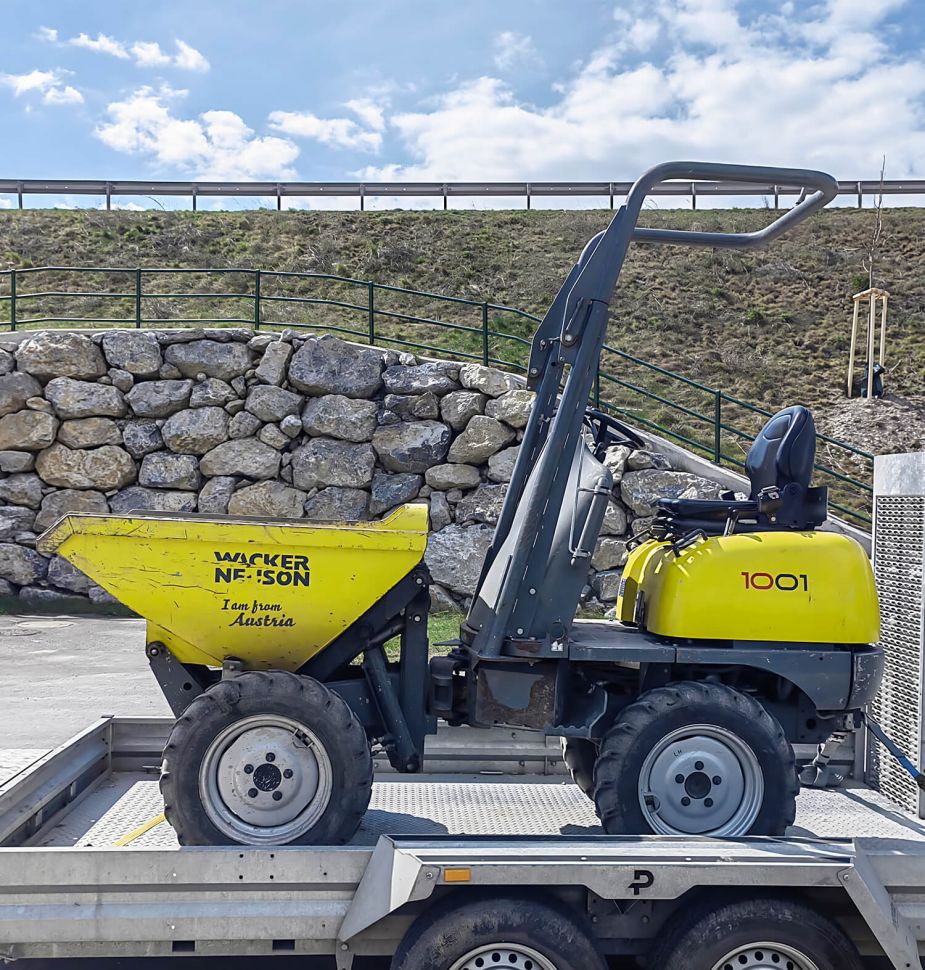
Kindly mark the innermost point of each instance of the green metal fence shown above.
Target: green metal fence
(710, 422)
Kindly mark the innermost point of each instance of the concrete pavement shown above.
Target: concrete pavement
(58, 674)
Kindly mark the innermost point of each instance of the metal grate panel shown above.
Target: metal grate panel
(459, 805)
(899, 548)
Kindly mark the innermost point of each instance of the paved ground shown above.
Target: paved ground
(59, 673)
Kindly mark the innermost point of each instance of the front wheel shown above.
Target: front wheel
(266, 758)
(695, 759)
(759, 934)
(480, 932)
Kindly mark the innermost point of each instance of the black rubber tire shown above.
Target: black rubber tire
(579, 755)
(700, 939)
(459, 924)
(655, 714)
(304, 699)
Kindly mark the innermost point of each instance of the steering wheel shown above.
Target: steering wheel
(608, 431)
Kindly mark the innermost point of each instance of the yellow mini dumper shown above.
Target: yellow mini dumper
(741, 629)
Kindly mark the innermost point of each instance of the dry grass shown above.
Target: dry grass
(770, 327)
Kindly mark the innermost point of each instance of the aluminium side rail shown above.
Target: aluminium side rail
(360, 900)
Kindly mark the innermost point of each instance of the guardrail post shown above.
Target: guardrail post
(371, 311)
(12, 299)
(485, 334)
(138, 298)
(717, 428)
(256, 299)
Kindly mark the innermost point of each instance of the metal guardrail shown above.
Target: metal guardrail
(446, 190)
(705, 419)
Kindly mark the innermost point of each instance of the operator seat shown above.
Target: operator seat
(779, 466)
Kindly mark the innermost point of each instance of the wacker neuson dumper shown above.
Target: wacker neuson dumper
(741, 628)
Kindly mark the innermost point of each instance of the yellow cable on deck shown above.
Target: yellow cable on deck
(140, 831)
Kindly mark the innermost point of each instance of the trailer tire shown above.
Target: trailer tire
(311, 777)
(579, 755)
(695, 759)
(487, 930)
(753, 932)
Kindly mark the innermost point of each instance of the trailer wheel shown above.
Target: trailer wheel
(266, 758)
(497, 931)
(756, 934)
(695, 759)
(579, 755)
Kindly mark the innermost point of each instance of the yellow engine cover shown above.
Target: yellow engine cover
(787, 587)
(271, 593)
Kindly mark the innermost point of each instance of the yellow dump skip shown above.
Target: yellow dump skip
(272, 593)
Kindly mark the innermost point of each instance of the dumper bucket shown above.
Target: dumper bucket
(272, 593)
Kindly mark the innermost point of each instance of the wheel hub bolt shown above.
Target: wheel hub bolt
(277, 795)
(252, 793)
(287, 773)
(270, 756)
(248, 769)
(685, 801)
(679, 779)
(698, 765)
(717, 780)
(708, 802)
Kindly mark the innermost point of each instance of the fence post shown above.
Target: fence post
(485, 334)
(256, 299)
(12, 299)
(717, 428)
(597, 387)
(371, 311)
(138, 298)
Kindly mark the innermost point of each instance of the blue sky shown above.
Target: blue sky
(484, 89)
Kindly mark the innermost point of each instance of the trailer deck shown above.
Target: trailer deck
(493, 811)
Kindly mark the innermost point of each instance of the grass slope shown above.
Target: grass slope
(771, 326)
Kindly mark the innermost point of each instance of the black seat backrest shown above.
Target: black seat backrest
(784, 451)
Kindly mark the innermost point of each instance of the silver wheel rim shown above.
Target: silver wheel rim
(766, 956)
(701, 780)
(511, 955)
(265, 780)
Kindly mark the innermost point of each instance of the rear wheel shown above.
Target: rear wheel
(695, 759)
(498, 931)
(759, 934)
(266, 758)
(579, 755)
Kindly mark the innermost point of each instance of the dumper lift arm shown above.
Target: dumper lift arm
(572, 335)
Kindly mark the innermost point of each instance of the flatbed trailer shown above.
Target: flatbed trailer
(86, 871)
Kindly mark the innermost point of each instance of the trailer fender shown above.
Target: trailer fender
(392, 878)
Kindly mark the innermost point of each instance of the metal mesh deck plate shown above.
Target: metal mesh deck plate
(899, 547)
(476, 805)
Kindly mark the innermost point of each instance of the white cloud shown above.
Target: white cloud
(188, 58)
(48, 86)
(806, 89)
(512, 50)
(370, 113)
(149, 54)
(101, 44)
(339, 132)
(216, 145)
(145, 53)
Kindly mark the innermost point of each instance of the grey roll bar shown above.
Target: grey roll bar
(572, 333)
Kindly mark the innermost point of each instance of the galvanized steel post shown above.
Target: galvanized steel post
(138, 298)
(371, 311)
(485, 334)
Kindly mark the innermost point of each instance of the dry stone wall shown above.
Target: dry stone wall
(280, 425)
